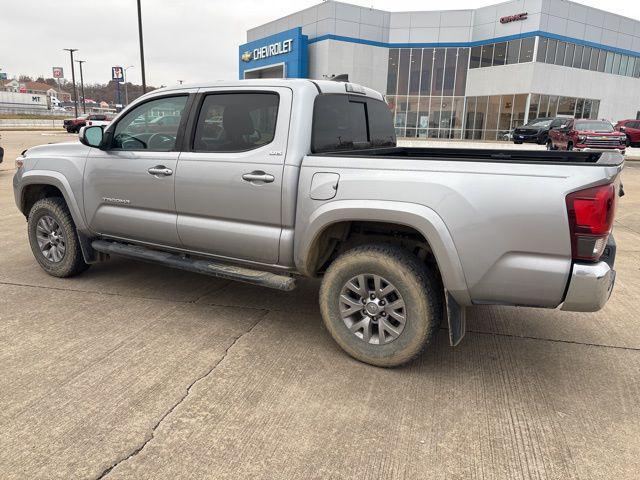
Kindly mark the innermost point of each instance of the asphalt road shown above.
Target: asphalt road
(135, 371)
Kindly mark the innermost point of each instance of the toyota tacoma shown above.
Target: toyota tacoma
(264, 181)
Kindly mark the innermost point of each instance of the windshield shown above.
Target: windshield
(540, 122)
(594, 126)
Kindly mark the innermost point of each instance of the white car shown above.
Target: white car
(98, 120)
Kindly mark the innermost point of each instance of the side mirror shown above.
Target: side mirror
(91, 136)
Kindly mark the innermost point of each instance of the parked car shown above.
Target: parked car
(262, 182)
(631, 128)
(537, 130)
(165, 123)
(584, 135)
(75, 124)
(98, 120)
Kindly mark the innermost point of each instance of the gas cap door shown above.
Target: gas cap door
(324, 185)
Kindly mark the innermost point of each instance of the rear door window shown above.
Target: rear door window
(236, 122)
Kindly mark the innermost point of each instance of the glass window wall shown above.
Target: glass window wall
(426, 90)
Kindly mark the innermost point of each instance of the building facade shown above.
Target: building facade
(472, 74)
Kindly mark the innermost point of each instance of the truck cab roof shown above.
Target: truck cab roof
(322, 86)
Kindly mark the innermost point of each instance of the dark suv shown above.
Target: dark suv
(536, 131)
(631, 128)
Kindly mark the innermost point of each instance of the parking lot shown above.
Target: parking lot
(135, 371)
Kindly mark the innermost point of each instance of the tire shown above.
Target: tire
(69, 129)
(550, 146)
(628, 142)
(569, 147)
(68, 261)
(543, 140)
(414, 284)
(517, 143)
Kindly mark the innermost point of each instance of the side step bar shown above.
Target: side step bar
(206, 267)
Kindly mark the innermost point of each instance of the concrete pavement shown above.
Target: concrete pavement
(135, 371)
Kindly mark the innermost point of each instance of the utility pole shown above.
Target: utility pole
(126, 93)
(73, 79)
(84, 108)
(144, 81)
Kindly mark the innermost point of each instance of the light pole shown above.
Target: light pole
(73, 79)
(126, 93)
(84, 107)
(144, 81)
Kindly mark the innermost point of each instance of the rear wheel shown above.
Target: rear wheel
(381, 304)
(543, 139)
(53, 238)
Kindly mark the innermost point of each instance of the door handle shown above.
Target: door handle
(160, 170)
(258, 176)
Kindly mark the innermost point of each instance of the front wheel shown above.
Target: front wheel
(381, 304)
(550, 146)
(53, 238)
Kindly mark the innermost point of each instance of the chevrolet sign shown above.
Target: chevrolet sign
(267, 51)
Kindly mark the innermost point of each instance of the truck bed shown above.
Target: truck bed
(503, 210)
(487, 155)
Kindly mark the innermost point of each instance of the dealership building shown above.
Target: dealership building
(472, 74)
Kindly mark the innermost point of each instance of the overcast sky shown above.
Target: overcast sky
(191, 40)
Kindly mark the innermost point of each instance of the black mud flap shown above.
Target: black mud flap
(457, 319)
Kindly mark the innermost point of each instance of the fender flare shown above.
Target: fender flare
(55, 179)
(422, 218)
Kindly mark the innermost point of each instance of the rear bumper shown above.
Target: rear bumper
(590, 287)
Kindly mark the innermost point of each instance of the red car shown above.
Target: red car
(586, 135)
(631, 128)
(74, 125)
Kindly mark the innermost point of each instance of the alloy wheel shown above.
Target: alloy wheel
(372, 309)
(50, 239)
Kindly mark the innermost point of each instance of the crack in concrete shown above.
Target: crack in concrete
(138, 449)
(552, 340)
(143, 297)
(526, 337)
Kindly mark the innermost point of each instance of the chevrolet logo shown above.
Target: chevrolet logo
(246, 56)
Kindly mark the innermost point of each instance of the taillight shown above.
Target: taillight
(591, 213)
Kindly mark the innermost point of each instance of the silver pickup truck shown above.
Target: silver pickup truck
(263, 181)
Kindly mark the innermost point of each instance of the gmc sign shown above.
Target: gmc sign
(514, 18)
